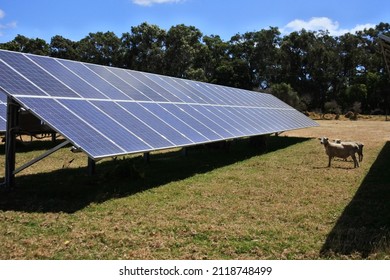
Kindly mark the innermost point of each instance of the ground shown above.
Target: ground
(368, 132)
(211, 204)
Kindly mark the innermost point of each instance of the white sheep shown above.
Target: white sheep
(340, 150)
(360, 145)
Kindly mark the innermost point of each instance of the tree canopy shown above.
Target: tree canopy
(310, 69)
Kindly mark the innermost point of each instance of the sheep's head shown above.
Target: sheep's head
(324, 140)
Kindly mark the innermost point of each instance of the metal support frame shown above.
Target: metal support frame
(44, 155)
(91, 166)
(184, 151)
(10, 142)
(10, 145)
(146, 157)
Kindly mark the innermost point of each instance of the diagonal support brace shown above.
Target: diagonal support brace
(44, 155)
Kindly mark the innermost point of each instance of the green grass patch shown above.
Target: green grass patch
(211, 204)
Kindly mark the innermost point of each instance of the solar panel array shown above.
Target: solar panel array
(109, 111)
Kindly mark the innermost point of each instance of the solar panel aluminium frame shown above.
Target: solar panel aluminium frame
(3, 113)
(210, 112)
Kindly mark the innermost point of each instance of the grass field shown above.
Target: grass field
(211, 204)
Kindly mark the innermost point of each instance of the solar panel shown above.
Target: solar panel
(108, 111)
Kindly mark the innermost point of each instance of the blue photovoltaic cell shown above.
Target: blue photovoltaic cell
(215, 115)
(180, 94)
(109, 111)
(223, 98)
(209, 122)
(181, 86)
(212, 99)
(81, 87)
(93, 79)
(226, 96)
(110, 125)
(179, 111)
(165, 95)
(267, 117)
(231, 117)
(253, 120)
(135, 125)
(37, 75)
(158, 124)
(136, 92)
(261, 118)
(181, 125)
(75, 129)
(124, 86)
(13, 83)
(197, 96)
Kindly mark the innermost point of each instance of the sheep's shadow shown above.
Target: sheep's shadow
(71, 189)
(335, 167)
(338, 163)
(364, 226)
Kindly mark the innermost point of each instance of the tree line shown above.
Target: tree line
(311, 70)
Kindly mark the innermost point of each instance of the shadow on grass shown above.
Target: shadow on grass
(69, 190)
(364, 226)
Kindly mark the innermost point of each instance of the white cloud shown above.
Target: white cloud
(10, 25)
(151, 2)
(4, 26)
(322, 23)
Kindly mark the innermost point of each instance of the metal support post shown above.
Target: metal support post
(91, 166)
(10, 142)
(184, 151)
(146, 157)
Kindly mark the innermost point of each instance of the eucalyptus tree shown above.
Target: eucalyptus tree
(286, 93)
(323, 67)
(100, 48)
(27, 45)
(373, 72)
(64, 48)
(351, 56)
(296, 65)
(241, 50)
(144, 48)
(265, 62)
(213, 56)
(183, 43)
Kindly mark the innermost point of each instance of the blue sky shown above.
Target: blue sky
(74, 19)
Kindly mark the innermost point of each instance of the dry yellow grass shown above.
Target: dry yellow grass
(369, 132)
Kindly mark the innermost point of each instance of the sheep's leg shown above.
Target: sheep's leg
(355, 161)
(330, 158)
